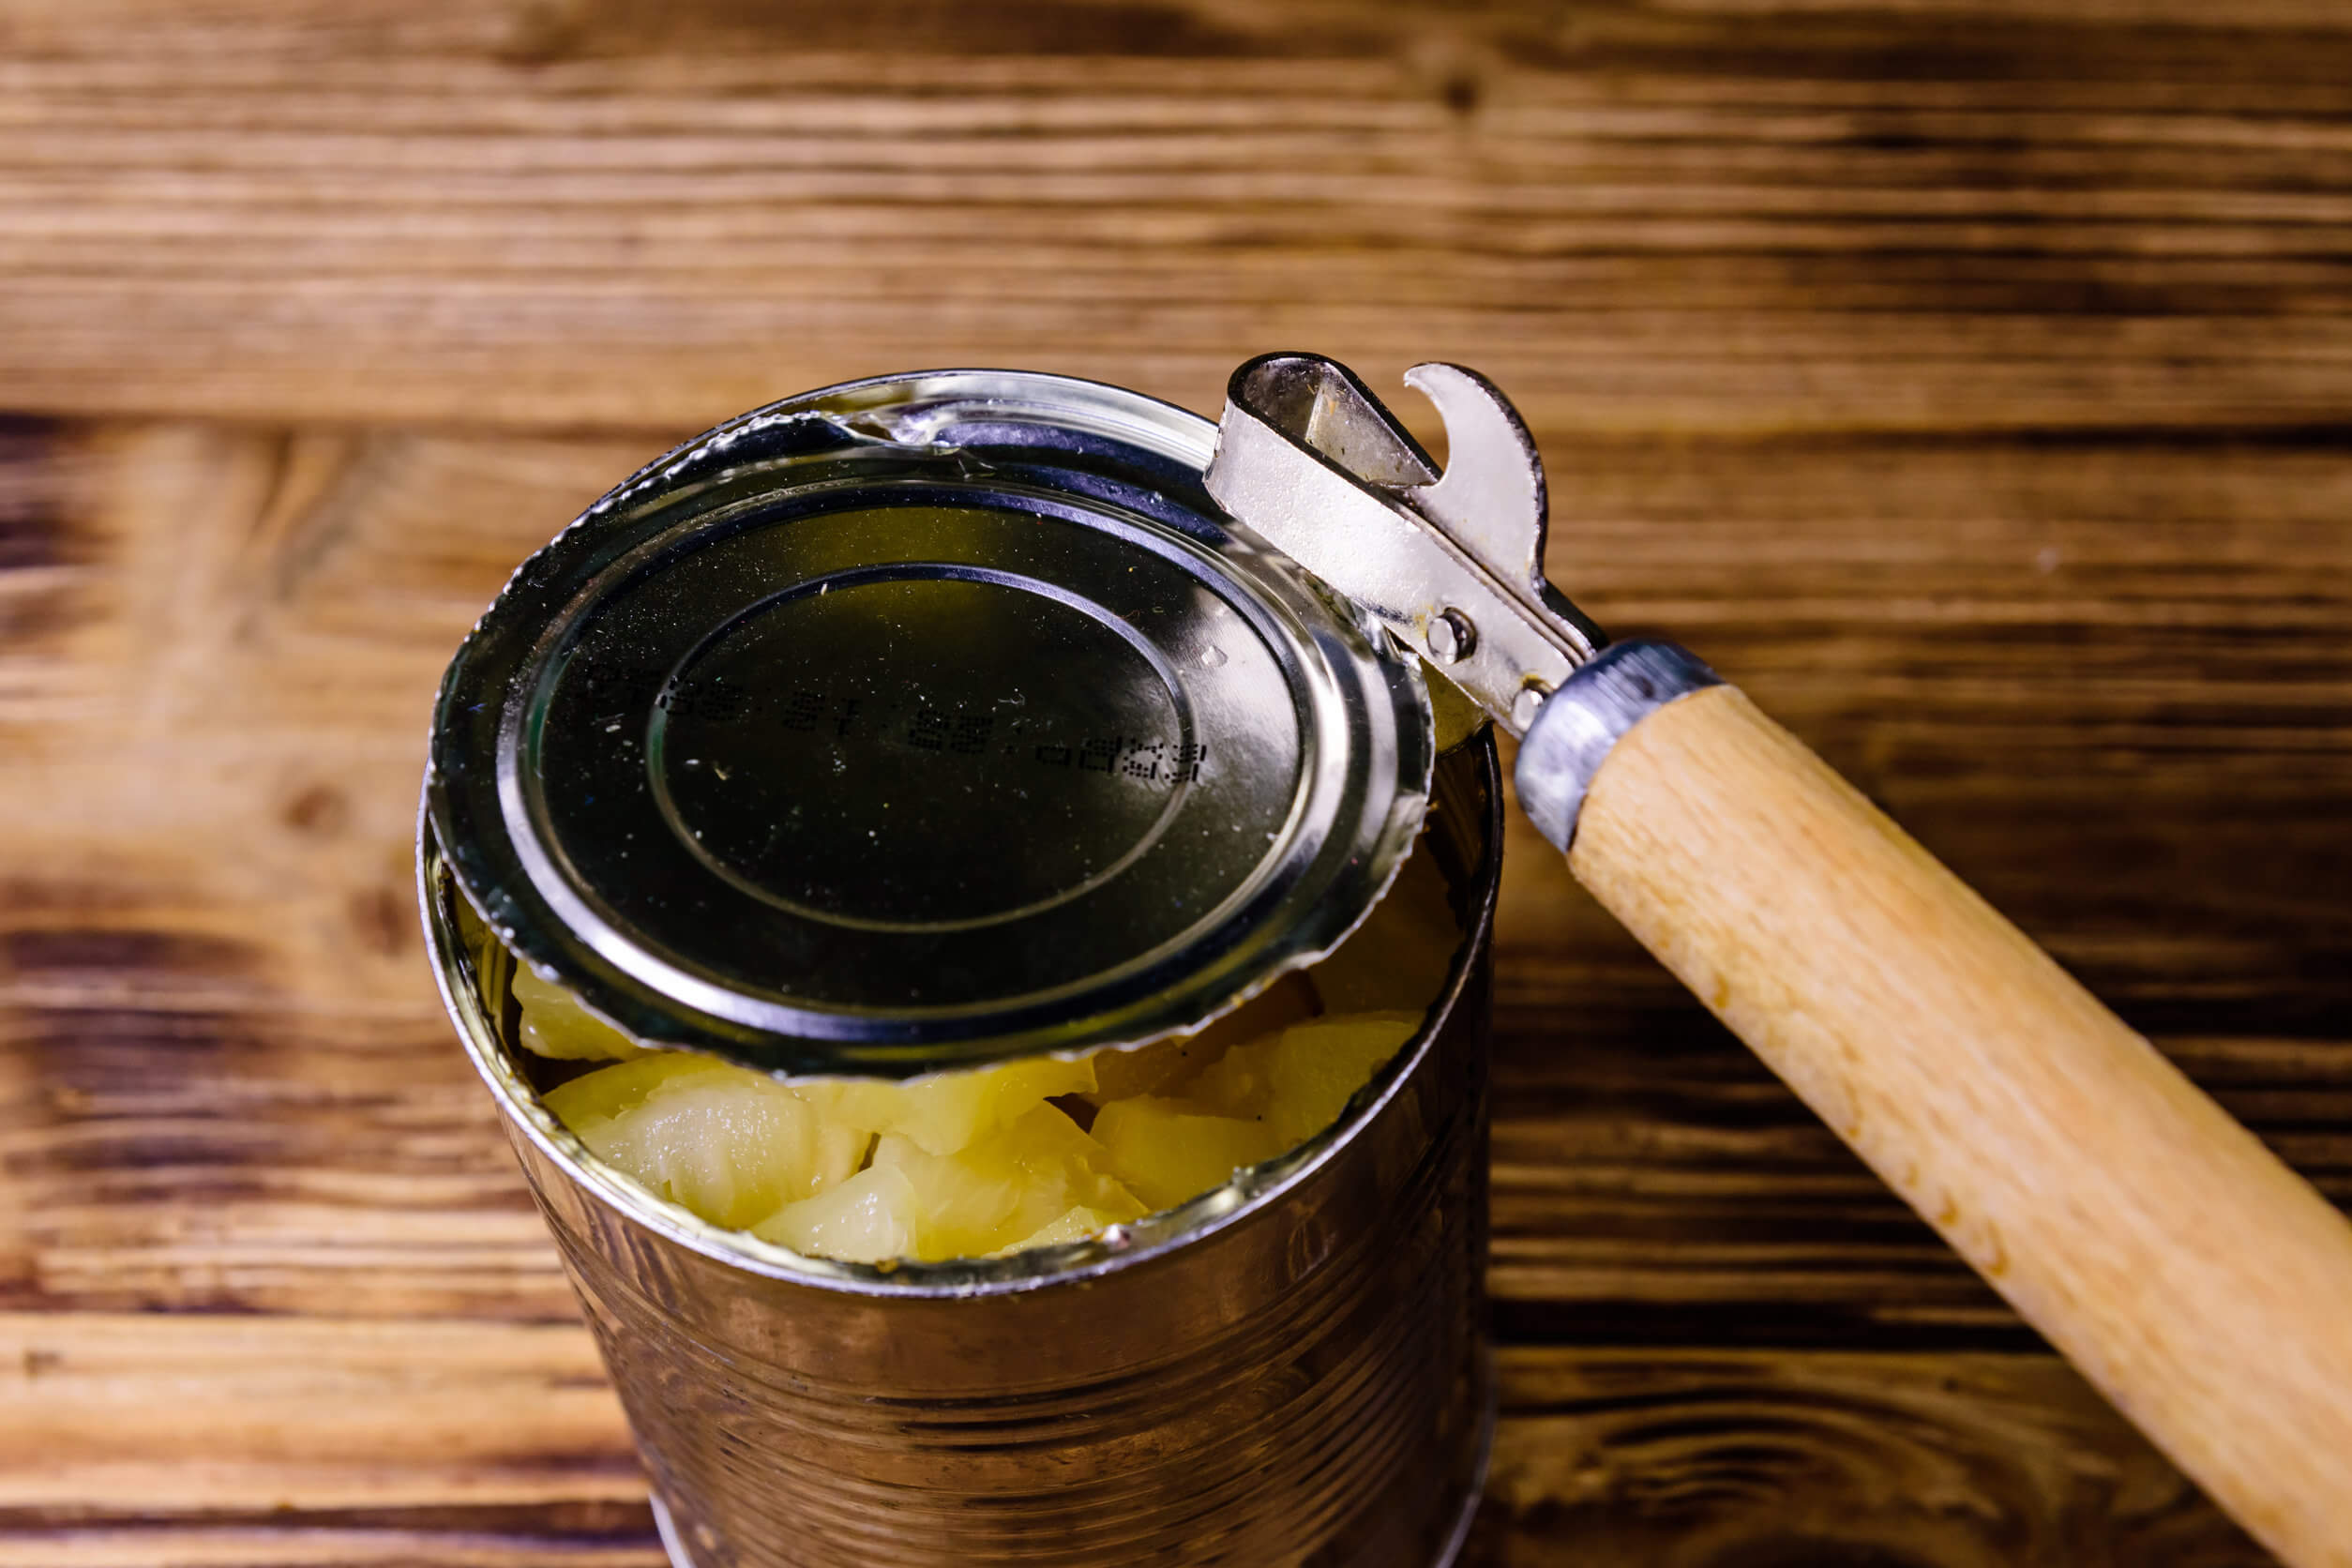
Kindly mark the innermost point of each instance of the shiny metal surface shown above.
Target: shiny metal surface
(919, 723)
(1298, 1376)
(1309, 460)
(1573, 733)
(1452, 637)
(673, 1541)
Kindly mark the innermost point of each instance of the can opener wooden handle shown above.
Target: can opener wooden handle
(2199, 1283)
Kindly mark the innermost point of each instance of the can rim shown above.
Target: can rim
(1248, 1193)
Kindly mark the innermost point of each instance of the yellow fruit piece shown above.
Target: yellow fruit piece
(979, 1162)
(1121, 1074)
(1167, 1150)
(554, 1024)
(731, 1145)
(1076, 1225)
(1400, 955)
(1298, 1083)
(476, 940)
(948, 1111)
(869, 1218)
(1004, 1188)
(1165, 1067)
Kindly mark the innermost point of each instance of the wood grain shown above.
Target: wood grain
(1964, 381)
(1726, 1459)
(603, 212)
(461, 1444)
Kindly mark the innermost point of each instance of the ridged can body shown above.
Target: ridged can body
(1304, 1380)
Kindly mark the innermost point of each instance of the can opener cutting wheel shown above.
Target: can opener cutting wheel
(2200, 1284)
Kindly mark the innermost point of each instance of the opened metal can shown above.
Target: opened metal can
(939, 721)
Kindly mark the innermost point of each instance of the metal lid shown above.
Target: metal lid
(922, 722)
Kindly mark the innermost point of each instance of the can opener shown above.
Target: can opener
(2200, 1284)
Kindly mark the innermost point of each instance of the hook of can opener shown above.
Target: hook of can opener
(1453, 564)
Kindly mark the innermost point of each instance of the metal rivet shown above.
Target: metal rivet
(1523, 706)
(1451, 637)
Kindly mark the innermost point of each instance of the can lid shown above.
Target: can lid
(924, 722)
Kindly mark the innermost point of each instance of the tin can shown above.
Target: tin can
(1290, 1369)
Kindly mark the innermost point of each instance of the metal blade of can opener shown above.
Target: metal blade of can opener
(1452, 564)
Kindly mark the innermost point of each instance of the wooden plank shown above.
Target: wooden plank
(551, 216)
(1710, 1460)
(140, 1442)
(195, 1441)
(136, 1414)
(288, 1543)
(1653, 1182)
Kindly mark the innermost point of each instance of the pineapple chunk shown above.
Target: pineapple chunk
(1076, 1225)
(869, 1218)
(1008, 1185)
(554, 1024)
(1250, 1105)
(1122, 1073)
(1298, 1083)
(478, 942)
(978, 1163)
(1167, 1150)
(1400, 955)
(731, 1145)
(948, 1111)
(1164, 1067)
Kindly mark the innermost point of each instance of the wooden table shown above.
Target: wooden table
(1971, 384)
